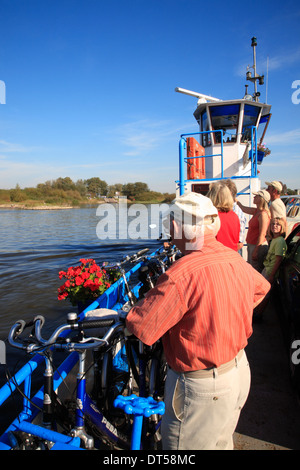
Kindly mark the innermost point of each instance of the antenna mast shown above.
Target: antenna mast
(256, 77)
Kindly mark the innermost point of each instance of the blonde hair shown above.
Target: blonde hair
(221, 197)
(281, 223)
(263, 205)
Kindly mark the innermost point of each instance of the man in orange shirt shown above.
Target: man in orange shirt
(202, 309)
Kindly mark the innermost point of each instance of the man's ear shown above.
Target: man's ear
(177, 229)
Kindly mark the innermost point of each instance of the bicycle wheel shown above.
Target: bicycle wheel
(156, 382)
(158, 373)
(113, 378)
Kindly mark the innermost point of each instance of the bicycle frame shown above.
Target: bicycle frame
(87, 408)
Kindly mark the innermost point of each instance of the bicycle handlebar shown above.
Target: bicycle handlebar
(129, 258)
(136, 256)
(38, 343)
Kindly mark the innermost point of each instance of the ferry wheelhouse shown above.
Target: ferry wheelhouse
(228, 142)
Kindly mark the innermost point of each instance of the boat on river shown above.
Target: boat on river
(227, 145)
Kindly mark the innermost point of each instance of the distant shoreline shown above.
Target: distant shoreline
(43, 206)
(34, 208)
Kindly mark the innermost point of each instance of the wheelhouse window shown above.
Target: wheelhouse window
(263, 124)
(206, 138)
(225, 118)
(250, 119)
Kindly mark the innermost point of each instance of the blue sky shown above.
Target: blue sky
(90, 84)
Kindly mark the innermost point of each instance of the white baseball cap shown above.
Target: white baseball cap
(276, 184)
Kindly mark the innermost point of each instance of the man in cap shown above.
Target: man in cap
(202, 309)
(277, 207)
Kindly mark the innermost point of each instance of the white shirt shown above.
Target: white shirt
(278, 209)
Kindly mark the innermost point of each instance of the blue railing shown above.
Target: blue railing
(253, 151)
(183, 158)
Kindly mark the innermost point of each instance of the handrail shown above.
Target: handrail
(20, 376)
(182, 158)
(253, 150)
(32, 411)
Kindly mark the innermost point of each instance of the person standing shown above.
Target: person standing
(238, 211)
(257, 244)
(202, 308)
(277, 250)
(276, 253)
(277, 207)
(229, 232)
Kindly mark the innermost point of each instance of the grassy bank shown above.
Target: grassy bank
(63, 193)
(46, 205)
(29, 204)
(46, 197)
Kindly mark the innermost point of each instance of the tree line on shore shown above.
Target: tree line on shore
(66, 191)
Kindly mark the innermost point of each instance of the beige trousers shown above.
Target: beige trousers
(202, 413)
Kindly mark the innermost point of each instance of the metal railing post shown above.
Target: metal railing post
(181, 165)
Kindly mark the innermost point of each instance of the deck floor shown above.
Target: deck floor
(270, 419)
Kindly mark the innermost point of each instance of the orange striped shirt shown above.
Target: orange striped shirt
(201, 308)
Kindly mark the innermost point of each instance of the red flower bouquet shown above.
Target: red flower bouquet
(83, 283)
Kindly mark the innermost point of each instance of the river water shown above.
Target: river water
(35, 246)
